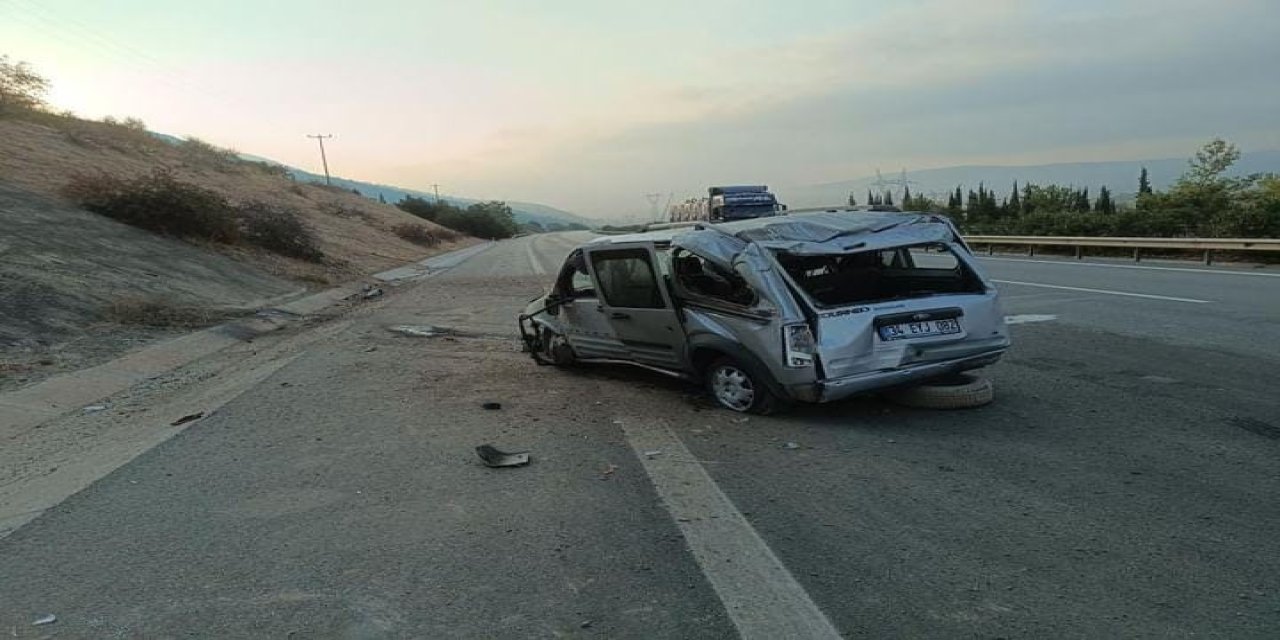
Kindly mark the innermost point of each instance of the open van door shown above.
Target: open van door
(637, 304)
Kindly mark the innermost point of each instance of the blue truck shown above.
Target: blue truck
(726, 203)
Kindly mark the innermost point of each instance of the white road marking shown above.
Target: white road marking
(534, 263)
(762, 598)
(1220, 272)
(1027, 318)
(1103, 291)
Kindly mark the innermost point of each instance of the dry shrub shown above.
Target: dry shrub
(135, 310)
(417, 234)
(160, 203)
(278, 230)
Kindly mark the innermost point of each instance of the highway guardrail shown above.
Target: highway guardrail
(1137, 245)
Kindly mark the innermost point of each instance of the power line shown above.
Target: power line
(325, 160)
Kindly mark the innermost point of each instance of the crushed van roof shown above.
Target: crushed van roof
(818, 233)
(822, 233)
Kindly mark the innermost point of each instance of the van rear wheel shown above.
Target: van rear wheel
(739, 388)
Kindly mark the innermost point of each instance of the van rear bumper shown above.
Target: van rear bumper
(840, 388)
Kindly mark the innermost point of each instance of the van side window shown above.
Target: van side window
(574, 281)
(699, 277)
(627, 279)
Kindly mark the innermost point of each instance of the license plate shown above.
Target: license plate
(919, 329)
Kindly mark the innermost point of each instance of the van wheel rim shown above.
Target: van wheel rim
(733, 388)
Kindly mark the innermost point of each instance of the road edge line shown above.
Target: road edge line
(761, 596)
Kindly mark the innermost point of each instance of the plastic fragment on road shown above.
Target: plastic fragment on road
(191, 417)
(94, 408)
(45, 619)
(493, 457)
(652, 454)
(790, 445)
(491, 406)
(373, 293)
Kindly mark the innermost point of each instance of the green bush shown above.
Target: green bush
(160, 203)
(493, 220)
(278, 230)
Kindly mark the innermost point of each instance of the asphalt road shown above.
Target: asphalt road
(1123, 484)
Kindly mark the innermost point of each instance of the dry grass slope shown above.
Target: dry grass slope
(44, 153)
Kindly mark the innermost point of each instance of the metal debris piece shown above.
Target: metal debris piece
(45, 619)
(418, 330)
(608, 471)
(191, 417)
(491, 406)
(790, 445)
(94, 408)
(493, 457)
(651, 454)
(373, 293)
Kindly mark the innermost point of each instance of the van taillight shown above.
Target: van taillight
(800, 347)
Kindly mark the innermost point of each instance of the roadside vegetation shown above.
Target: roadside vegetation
(1204, 202)
(162, 204)
(492, 220)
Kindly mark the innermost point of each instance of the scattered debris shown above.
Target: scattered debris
(652, 454)
(45, 619)
(418, 330)
(94, 408)
(1028, 318)
(741, 420)
(493, 457)
(370, 349)
(373, 293)
(790, 445)
(586, 624)
(191, 417)
(608, 471)
(491, 406)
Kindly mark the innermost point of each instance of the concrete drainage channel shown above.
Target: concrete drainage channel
(28, 408)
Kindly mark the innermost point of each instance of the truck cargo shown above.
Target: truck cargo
(726, 203)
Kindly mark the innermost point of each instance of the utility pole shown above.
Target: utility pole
(436, 188)
(323, 159)
(654, 199)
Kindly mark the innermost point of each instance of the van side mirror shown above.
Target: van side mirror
(554, 300)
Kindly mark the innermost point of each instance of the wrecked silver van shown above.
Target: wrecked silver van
(808, 307)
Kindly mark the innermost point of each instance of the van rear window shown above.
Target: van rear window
(887, 274)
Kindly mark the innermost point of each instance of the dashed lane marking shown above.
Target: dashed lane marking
(1108, 292)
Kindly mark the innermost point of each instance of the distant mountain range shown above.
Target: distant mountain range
(1121, 177)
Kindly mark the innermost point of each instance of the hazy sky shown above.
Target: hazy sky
(589, 104)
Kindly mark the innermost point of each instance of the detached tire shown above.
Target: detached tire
(958, 391)
(740, 388)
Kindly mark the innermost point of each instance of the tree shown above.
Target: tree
(1015, 202)
(853, 200)
(906, 198)
(1144, 183)
(382, 198)
(21, 88)
(870, 199)
(1104, 204)
(888, 198)
(1211, 161)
